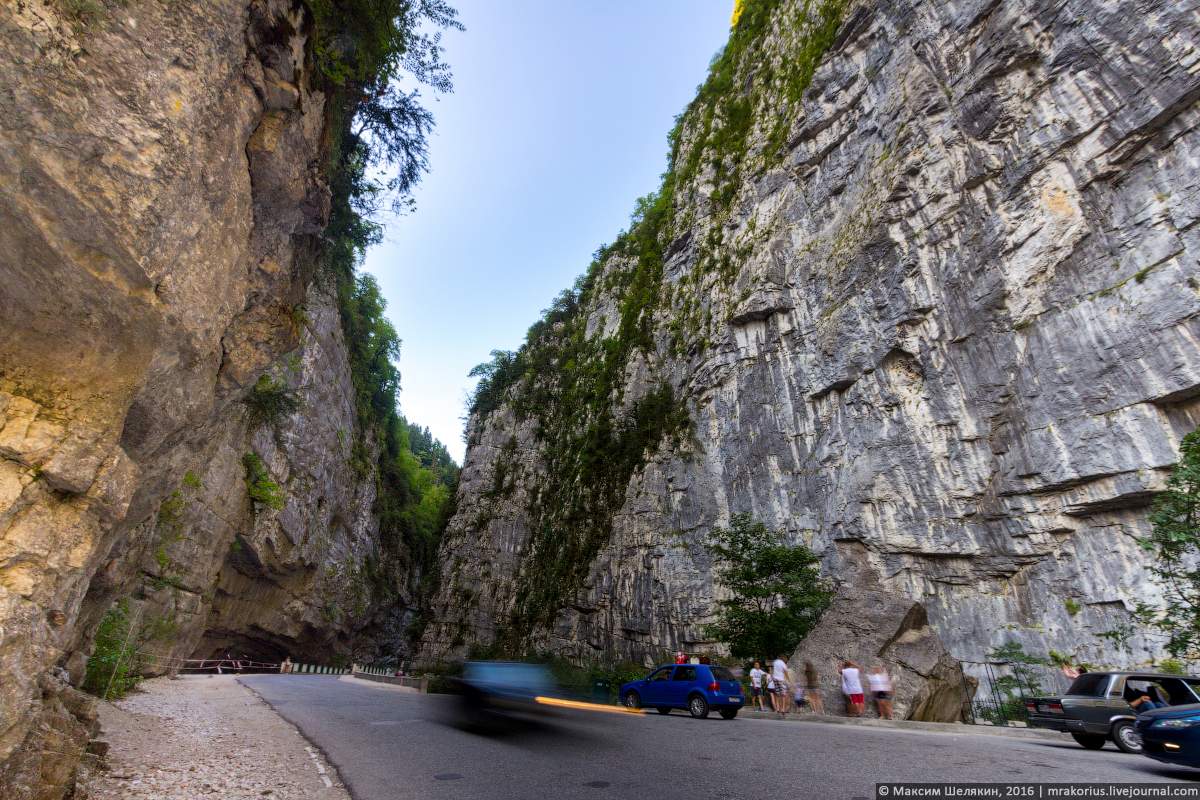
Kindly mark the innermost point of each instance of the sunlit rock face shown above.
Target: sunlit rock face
(161, 205)
(961, 333)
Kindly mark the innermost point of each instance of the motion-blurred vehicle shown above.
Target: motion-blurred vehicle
(696, 687)
(494, 693)
(1097, 707)
(1171, 734)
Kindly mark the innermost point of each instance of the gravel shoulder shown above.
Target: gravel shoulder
(207, 736)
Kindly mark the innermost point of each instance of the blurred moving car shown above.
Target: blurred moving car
(696, 687)
(1171, 734)
(495, 692)
(1098, 706)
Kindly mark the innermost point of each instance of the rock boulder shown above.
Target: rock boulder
(869, 626)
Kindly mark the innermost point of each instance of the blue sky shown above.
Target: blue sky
(557, 123)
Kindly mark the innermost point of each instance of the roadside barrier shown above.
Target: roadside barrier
(235, 665)
(217, 665)
(389, 676)
(312, 669)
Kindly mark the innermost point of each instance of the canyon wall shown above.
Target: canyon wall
(937, 309)
(162, 201)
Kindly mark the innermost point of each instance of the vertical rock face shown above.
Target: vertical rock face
(160, 206)
(947, 312)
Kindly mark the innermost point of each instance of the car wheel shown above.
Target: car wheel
(698, 706)
(1126, 738)
(729, 713)
(663, 710)
(632, 701)
(1092, 741)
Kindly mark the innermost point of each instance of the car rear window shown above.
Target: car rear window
(721, 674)
(1089, 685)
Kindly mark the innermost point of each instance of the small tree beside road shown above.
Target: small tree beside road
(776, 590)
(1175, 543)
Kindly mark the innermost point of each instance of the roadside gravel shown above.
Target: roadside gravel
(206, 736)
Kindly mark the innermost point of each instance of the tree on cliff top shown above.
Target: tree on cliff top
(776, 591)
(1175, 542)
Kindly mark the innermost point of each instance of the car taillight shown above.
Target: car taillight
(714, 687)
(1030, 705)
(1055, 706)
(739, 688)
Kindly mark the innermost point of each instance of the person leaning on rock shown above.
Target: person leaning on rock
(852, 688)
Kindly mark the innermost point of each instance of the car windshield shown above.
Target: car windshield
(1090, 685)
(721, 674)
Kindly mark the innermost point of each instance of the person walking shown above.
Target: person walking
(852, 688)
(881, 687)
(756, 687)
(779, 672)
(812, 684)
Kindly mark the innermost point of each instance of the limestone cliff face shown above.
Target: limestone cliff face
(161, 202)
(947, 313)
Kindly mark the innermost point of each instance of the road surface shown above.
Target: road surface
(390, 745)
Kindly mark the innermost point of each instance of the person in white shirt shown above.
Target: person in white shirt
(881, 687)
(852, 688)
(756, 676)
(779, 673)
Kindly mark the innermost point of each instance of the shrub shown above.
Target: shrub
(259, 484)
(270, 401)
(114, 667)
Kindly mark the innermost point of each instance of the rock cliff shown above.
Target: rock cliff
(922, 278)
(162, 201)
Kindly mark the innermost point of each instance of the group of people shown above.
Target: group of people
(776, 684)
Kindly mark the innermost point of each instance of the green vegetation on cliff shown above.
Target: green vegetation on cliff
(364, 51)
(592, 439)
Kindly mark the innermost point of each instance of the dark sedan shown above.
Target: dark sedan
(1172, 734)
(494, 694)
(1104, 706)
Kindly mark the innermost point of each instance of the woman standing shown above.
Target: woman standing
(812, 688)
(852, 688)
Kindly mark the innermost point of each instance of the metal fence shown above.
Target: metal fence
(1004, 686)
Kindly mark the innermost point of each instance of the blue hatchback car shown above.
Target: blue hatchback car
(1172, 734)
(696, 687)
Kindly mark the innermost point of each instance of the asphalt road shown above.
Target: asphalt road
(389, 745)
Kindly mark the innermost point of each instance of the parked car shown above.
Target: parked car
(1172, 734)
(1097, 708)
(696, 687)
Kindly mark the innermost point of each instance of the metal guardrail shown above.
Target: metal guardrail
(311, 669)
